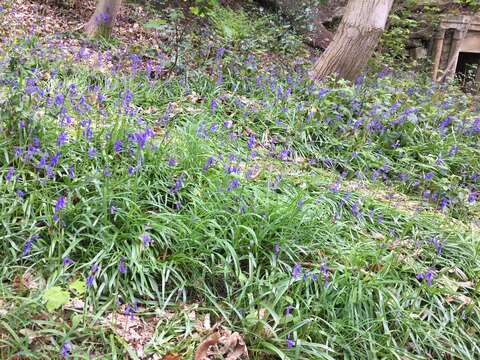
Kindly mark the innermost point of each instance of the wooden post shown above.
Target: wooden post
(454, 52)
(438, 48)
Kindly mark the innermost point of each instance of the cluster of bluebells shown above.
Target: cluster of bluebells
(427, 276)
(297, 272)
(384, 128)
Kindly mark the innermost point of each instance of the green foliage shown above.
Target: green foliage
(56, 297)
(155, 24)
(236, 180)
(78, 285)
(203, 7)
(395, 38)
(246, 30)
(473, 4)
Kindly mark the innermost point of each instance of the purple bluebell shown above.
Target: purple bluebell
(65, 350)
(117, 146)
(209, 162)
(61, 139)
(324, 271)
(429, 277)
(276, 249)
(67, 261)
(145, 239)
(71, 174)
(443, 203)
(290, 342)
(91, 153)
(121, 266)
(213, 105)
(28, 245)
(233, 185)
(355, 210)
(54, 159)
(472, 197)
(59, 204)
(10, 173)
(297, 269)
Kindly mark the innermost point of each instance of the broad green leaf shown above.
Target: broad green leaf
(56, 297)
(79, 286)
(155, 24)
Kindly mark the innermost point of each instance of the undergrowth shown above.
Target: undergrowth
(229, 190)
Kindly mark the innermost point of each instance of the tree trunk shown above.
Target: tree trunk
(103, 19)
(355, 40)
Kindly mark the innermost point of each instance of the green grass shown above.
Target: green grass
(212, 241)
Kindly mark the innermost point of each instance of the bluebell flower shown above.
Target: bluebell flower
(121, 266)
(54, 159)
(61, 139)
(65, 350)
(20, 193)
(443, 203)
(91, 153)
(233, 185)
(59, 204)
(10, 173)
(276, 249)
(472, 197)
(145, 239)
(208, 163)
(67, 261)
(213, 105)
(117, 146)
(71, 174)
(429, 277)
(297, 269)
(28, 245)
(290, 342)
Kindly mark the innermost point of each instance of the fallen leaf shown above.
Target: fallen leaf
(202, 349)
(171, 356)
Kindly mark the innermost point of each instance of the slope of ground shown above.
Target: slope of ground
(145, 210)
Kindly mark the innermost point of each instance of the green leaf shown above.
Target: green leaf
(79, 286)
(154, 24)
(56, 297)
(196, 11)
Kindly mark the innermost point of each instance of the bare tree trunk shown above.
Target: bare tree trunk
(102, 21)
(355, 39)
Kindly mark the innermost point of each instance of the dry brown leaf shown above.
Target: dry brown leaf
(202, 349)
(137, 332)
(234, 347)
(27, 281)
(76, 304)
(194, 97)
(30, 335)
(172, 356)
